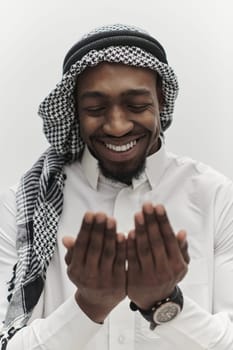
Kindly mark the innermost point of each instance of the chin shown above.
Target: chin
(125, 176)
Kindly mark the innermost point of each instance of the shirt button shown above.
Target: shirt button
(121, 339)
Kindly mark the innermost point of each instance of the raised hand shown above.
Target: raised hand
(96, 265)
(157, 259)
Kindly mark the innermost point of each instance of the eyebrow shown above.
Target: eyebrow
(137, 92)
(130, 92)
(91, 94)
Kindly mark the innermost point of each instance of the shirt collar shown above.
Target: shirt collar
(90, 168)
(155, 165)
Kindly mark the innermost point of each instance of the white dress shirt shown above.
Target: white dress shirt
(197, 199)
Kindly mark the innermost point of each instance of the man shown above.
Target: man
(106, 189)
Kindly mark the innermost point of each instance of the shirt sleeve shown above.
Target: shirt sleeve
(67, 327)
(8, 253)
(199, 328)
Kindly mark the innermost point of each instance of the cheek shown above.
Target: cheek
(88, 126)
(155, 129)
(157, 125)
(152, 123)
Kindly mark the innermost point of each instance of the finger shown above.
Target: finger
(120, 237)
(169, 238)
(109, 245)
(81, 243)
(132, 257)
(142, 242)
(120, 258)
(181, 237)
(132, 234)
(156, 240)
(68, 242)
(68, 256)
(183, 245)
(96, 240)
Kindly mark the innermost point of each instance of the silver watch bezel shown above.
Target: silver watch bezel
(169, 306)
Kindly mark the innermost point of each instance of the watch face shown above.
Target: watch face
(166, 312)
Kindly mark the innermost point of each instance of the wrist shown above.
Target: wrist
(162, 311)
(95, 312)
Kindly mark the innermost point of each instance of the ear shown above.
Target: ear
(160, 98)
(160, 91)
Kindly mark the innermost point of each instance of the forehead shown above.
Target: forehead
(107, 77)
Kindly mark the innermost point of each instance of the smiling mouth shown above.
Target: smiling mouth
(121, 148)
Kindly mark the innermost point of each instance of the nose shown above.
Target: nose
(117, 122)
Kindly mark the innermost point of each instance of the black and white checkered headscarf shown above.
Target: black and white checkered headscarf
(40, 194)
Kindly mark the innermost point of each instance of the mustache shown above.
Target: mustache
(130, 136)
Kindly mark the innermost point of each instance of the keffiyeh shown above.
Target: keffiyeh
(40, 194)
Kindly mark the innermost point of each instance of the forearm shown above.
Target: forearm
(199, 329)
(66, 328)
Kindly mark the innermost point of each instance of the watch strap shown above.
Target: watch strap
(176, 297)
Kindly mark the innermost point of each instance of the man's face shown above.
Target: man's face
(118, 107)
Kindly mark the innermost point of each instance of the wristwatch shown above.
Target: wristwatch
(164, 310)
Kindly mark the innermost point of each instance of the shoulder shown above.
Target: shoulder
(205, 186)
(8, 214)
(197, 171)
(8, 199)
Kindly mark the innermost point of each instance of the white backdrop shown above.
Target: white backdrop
(197, 34)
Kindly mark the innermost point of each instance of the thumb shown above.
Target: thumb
(68, 243)
(183, 245)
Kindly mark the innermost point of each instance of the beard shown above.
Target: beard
(121, 176)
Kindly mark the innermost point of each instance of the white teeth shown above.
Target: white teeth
(122, 148)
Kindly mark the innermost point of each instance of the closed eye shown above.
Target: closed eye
(138, 107)
(94, 109)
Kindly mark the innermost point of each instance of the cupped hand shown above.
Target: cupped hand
(157, 258)
(96, 265)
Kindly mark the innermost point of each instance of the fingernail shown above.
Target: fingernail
(131, 234)
(120, 237)
(100, 218)
(88, 217)
(148, 208)
(110, 223)
(160, 210)
(139, 218)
